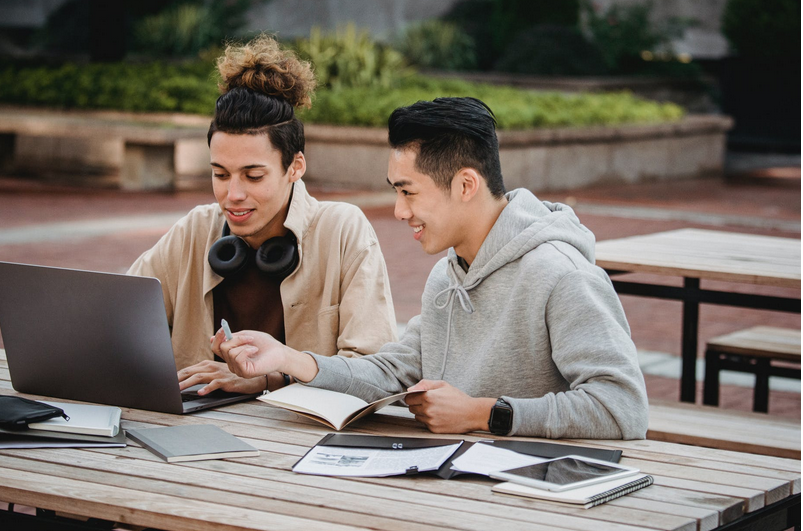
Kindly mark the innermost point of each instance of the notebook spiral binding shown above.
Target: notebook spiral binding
(622, 490)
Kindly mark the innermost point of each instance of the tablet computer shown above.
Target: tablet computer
(565, 473)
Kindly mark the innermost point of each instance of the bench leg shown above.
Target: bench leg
(761, 393)
(711, 381)
(147, 167)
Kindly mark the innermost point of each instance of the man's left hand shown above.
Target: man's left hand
(446, 409)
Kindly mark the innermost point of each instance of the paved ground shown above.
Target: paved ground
(107, 230)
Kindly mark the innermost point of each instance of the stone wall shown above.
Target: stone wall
(542, 159)
(356, 157)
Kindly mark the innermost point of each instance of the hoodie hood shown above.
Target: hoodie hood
(524, 224)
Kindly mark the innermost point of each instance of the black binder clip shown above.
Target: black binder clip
(411, 471)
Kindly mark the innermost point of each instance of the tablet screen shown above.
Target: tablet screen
(565, 471)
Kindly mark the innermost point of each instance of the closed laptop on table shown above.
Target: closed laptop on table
(94, 337)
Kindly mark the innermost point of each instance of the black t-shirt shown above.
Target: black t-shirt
(250, 301)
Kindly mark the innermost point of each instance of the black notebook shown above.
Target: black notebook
(586, 496)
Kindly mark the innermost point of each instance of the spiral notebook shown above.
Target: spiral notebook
(586, 496)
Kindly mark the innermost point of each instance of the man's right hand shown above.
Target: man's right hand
(250, 353)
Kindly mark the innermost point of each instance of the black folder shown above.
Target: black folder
(535, 448)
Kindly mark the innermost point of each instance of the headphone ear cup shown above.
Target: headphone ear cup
(277, 257)
(228, 255)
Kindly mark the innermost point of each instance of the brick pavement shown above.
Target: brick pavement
(610, 211)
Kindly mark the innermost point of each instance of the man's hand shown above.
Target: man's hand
(218, 376)
(446, 409)
(249, 353)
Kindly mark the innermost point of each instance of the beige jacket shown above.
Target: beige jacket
(337, 301)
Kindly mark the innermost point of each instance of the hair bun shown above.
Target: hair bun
(263, 66)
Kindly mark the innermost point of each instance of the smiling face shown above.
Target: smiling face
(251, 186)
(433, 213)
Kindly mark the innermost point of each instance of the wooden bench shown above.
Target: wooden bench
(148, 144)
(712, 427)
(752, 350)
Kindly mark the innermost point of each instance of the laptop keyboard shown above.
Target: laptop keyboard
(188, 396)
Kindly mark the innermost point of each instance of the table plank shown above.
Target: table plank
(706, 254)
(138, 508)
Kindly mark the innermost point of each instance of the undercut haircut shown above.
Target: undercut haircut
(449, 134)
(242, 111)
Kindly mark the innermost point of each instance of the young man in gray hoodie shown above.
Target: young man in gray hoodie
(519, 333)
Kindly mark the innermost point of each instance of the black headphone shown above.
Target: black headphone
(277, 257)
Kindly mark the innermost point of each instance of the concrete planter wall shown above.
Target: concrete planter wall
(542, 159)
(356, 157)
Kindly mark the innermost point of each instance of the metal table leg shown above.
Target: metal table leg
(691, 320)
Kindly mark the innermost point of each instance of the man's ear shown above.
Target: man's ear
(466, 184)
(298, 167)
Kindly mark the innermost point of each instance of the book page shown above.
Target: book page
(379, 404)
(330, 405)
(371, 462)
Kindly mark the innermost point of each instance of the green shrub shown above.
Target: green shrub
(192, 88)
(350, 58)
(552, 50)
(763, 29)
(438, 44)
(514, 108)
(622, 33)
(492, 24)
(151, 87)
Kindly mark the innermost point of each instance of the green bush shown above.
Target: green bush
(186, 28)
(350, 58)
(188, 87)
(492, 24)
(192, 88)
(438, 44)
(552, 51)
(763, 29)
(514, 108)
(623, 33)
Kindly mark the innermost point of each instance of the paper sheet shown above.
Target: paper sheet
(370, 462)
(485, 458)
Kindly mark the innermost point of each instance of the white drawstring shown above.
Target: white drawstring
(465, 301)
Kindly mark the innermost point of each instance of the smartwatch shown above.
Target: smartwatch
(501, 421)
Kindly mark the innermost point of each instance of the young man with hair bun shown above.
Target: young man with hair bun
(267, 256)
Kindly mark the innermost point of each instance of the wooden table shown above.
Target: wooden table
(696, 489)
(696, 255)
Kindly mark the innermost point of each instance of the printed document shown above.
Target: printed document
(370, 462)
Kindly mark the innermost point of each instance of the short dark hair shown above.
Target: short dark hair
(243, 111)
(449, 134)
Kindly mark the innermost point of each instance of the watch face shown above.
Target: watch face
(501, 420)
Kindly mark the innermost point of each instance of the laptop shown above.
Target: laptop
(94, 337)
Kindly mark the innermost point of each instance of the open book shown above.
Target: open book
(586, 496)
(334, 409)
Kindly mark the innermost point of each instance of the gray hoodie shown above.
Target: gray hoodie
(533, 320)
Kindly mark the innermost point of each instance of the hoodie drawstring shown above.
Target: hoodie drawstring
(465, 301)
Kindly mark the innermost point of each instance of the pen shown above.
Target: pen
(226, 329)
